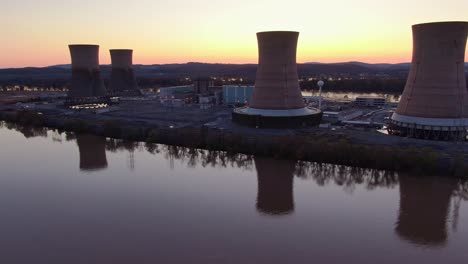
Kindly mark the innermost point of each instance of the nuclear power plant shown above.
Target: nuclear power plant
(86, 81)
(434, 104)
(277, 100)
(123, 79)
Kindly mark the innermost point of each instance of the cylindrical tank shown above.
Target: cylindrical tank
(435, 96)
(277, 82)
(86, 77)
(122, 75)
(275, 186)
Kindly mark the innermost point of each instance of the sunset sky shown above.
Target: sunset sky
(36, 33)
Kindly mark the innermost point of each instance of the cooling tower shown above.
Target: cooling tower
(434, 104)
(86, 77)
(277, 99)
(275, 186)
(424, 209)
(122, 75)
(92, 152)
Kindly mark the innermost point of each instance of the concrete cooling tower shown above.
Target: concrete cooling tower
(277, 99)
(434, 104)
(86, 77)
(122, 75)
(92, 152)
(275, 186)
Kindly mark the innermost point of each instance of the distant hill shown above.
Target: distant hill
(194, 69)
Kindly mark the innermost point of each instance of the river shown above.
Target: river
(67, 198)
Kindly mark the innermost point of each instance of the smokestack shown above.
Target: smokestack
(86, 77)
(122, 75)
(277, 99)
(275, 186)
(434, 104)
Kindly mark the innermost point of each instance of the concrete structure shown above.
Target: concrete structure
(92, 152)
(434, 104)
(202, 85)
(424, 209)
(275, 186)
(86, 78)
(277, 99)
(236, 94)
(122, 76)
(173, 91)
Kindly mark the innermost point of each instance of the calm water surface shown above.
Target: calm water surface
(85, 199)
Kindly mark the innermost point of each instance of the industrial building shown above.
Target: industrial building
(370, 101)
(87, 86)
(123, 81)
(277, 100)
(434, 104)
(237, 94)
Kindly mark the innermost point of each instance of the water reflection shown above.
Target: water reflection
(92, 152)
(424, 210)
(275, 186)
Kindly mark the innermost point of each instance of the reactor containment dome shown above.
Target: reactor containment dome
(277, 100)
(434, 104)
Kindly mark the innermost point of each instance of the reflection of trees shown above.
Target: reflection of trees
(27, 131)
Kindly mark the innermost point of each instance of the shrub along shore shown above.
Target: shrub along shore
(317, 146)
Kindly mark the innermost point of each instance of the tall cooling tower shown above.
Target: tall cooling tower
(122, 75)
(275, 186)
(277, 99)
(434, 104)
(86, 77)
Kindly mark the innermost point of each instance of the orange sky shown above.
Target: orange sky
(36, 33)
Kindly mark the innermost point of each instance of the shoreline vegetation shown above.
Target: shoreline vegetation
(314, 147)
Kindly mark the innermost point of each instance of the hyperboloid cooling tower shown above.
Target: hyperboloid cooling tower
(86, 77)
(434, 104)
(277, 100)
(122, 75)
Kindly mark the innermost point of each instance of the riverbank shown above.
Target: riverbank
(344, 147)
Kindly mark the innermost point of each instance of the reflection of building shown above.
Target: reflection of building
(434, 104)
(424, 209)
(275, 185)
(92, 152)
(122, 75)
(277, 99)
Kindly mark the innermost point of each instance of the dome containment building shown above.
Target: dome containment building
(122, 75)
(277, 100)
(434, 104)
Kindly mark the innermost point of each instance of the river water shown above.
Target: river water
(68, 198)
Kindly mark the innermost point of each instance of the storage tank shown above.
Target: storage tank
(434, 104)
(277, 100)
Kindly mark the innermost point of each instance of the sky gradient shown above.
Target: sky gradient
(36, 33)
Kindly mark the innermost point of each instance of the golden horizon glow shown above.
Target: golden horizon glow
(38, 32)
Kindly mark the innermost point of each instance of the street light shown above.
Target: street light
(320, 85)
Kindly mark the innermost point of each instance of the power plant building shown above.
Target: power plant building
(122, 75)
(236, 94)
(434, 104)
(277, 100)
(86, 81)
